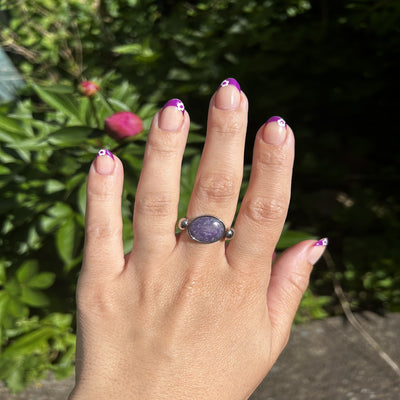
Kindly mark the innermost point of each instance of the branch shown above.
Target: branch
(352, 318)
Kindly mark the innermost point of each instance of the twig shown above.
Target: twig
(353, 320)
(22, 51)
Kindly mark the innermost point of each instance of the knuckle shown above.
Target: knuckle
(299, 282)
(216, 187)
(103, 230)
(278, 159)
(263, 211)
(294, 286)
(156, 204)
(163, 147)
(96, 302)
(227, 126)
(100, 193)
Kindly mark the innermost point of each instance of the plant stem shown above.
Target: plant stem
(94, 111)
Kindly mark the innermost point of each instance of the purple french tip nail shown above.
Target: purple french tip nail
(230, 81)
(105, 152)
(175, 103)
(281, 122)
(322, 242)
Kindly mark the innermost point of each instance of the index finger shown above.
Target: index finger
(104, 253)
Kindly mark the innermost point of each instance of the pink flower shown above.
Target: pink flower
(123, 124)
(88, 88)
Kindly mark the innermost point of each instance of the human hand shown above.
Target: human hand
(177, 319)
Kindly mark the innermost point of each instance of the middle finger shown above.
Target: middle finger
(219, 176)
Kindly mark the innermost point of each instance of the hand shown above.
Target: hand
(177, 319)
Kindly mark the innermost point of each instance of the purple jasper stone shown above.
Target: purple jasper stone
(206, 229)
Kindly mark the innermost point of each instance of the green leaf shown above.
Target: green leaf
(42, 281)
(73, 135)
(60, 210)
(34, 144)
(290, 238)
(3, 275)
(75, 180)
(48, 224)
(53, 186)
(16, 309)
(30, 342)
(10, 125)
(81, 200)
(23, 155)
(8, 137)
(59, 101)
(4, 300)
(59, 320)
(119, 105)
(33, 298)
(27, 271)
(65, 240)
(12, 375)
(133, 48)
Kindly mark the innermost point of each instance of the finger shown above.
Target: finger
(264, 207)
(289, 280)
(220, 171)
(157, 196)
(103, 253)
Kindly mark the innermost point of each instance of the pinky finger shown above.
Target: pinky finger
(289, 280)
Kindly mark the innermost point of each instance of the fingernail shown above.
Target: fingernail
(275, 131)
(104, 163)
(317, 250)
(228, 95)
(171, 115)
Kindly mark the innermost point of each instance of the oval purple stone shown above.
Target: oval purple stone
(206, 229)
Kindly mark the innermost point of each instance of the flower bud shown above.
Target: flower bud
(88, 88)
(123, 124)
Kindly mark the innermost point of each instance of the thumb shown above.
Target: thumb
(289, 280)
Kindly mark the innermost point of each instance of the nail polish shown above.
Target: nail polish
(317, 250)
(281, 122)
(104, 163)
(230, 81)
(275, 131)
(322, 242)
(105, 152)
(175, 103)
(228, 95)
(171, 115)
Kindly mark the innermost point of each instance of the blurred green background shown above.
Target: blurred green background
(330, 68)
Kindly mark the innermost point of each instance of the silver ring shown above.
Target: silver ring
(206, 229)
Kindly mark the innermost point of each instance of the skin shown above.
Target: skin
(177, 319)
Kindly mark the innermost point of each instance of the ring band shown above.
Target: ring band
(206, 229)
